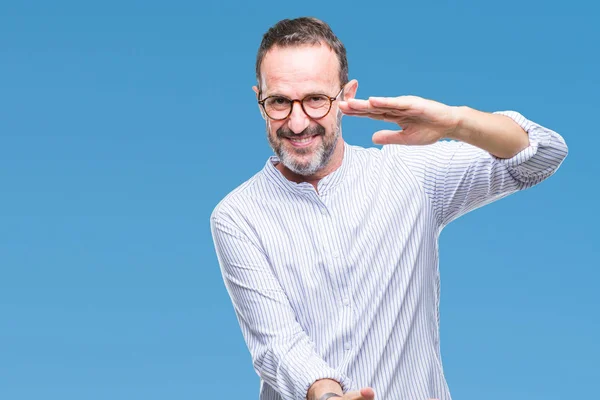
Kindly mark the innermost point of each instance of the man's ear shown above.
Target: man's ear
(262, 112)
(350, 90)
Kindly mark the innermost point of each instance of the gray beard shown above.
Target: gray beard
(318, 161)
(321, 155)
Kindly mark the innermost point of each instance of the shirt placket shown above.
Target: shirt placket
(337, 271)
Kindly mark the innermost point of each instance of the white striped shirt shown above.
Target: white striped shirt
(344, 283)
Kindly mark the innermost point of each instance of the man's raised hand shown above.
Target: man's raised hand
(421, 121)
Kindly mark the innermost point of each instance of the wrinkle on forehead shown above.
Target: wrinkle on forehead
(295, 71)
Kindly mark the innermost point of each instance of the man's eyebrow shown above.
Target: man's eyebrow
(267, 94)
(307, 93)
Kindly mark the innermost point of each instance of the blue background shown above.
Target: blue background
(122, 124)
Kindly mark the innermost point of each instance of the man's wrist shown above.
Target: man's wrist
(329, 395)
(461, 130)
(322, 387)
(499, 135)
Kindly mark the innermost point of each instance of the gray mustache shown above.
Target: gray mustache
(310, 131)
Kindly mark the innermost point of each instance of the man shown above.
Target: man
(329, 253)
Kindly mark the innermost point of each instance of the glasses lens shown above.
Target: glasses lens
(277, 107)
(316, 106)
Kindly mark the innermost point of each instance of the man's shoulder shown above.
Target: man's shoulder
(238, 198)
(361, 153)
(364, 151)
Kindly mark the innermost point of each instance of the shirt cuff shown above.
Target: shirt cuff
(344, 381)
(519, 164)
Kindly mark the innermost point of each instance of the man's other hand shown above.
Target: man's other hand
(362, 394)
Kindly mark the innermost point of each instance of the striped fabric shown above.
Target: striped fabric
(344, 283)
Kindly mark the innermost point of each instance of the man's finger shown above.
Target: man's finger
(357, 105)
(398, 103)
(363, 394)
(365, 114)
(389, 137)
(354, 105)
(380, 117)
(367, 393)
(353, 111)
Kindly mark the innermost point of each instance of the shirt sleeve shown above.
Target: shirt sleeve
(282, 353)
(459, 177)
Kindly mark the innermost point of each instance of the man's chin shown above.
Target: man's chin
(300, 166)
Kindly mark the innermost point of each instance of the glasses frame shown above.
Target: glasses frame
(301, 101)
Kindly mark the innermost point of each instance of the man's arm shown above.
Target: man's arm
(497, 134)
(282, 354)
(461, 176)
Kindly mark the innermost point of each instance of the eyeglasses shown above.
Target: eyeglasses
(316, 106)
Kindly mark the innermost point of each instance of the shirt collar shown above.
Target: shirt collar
(325, 185)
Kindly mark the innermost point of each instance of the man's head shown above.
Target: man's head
(302, 59)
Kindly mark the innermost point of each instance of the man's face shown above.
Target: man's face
(303, 145)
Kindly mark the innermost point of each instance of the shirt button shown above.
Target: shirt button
(335, 254)
(346, 301)
(323, 211)
(347, 346)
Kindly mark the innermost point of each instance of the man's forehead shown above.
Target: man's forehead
(306, 68)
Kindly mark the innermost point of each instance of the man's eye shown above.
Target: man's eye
(316, 101)
(280, 100)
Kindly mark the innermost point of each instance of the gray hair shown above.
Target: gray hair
(299, 31)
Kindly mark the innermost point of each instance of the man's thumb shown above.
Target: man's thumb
(367, 393)
(388, 137)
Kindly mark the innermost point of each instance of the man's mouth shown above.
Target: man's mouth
(302, 141)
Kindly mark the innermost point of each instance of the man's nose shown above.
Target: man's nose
(298, 121)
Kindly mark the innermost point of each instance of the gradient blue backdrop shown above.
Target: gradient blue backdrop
(122, 124)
